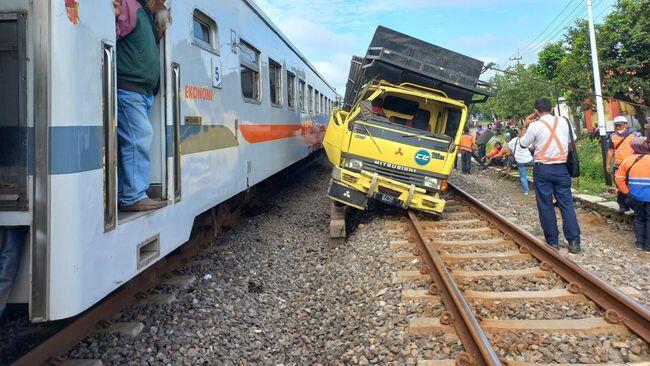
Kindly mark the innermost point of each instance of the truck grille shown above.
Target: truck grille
(404, 177)
(388, 191)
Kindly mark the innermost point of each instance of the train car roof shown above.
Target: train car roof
(286, 40)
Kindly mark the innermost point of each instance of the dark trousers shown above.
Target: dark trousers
(622, 205)
(466, 159)
(641, 223)
(498, 162)
(481, 152)
(554, 180)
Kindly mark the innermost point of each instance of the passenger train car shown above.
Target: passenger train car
(238, 103)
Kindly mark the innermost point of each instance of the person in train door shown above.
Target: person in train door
(550, 137)
(138, 80)
(619, 147)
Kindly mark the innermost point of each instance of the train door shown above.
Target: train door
(163, 136)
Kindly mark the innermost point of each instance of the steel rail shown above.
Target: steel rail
(52, 349)
(467, 327)
(619, 308)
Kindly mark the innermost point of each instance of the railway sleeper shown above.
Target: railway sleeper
(595, 325)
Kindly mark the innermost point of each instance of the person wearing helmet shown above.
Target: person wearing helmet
(619, 148)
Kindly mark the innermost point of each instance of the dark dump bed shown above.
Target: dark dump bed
(398, 58)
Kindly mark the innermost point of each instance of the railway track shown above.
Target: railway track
(509, 297)
(58, 339)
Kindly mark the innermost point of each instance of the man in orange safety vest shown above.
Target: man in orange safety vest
(619, 148)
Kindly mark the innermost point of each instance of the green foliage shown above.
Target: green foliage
(624, 53)
(516, 93)
(592, 177)
(625, 50)
(549, 60)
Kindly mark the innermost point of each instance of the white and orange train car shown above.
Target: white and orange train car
(237, 104)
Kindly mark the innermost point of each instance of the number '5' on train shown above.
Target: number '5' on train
(237, 103)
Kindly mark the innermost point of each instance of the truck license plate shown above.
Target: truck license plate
(386, 198)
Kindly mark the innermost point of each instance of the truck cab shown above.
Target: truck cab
(396, 138)
(397, 145)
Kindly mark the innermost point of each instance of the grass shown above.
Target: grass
(592, 177)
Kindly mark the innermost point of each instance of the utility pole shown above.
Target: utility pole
(518, 58)
(600, 109)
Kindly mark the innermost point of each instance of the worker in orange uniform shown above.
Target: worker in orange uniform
(467, 145)
(619, 148)
(497, 156)
(633, 181)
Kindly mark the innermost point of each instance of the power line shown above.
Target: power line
(545, 29)
(561, 86)
(533, 52)
(560, 29)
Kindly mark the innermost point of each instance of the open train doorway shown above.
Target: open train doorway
(158, 142)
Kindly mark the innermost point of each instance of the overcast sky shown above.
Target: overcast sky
(329, 32)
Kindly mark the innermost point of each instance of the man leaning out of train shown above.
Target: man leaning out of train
(138, 80)
(633, 180)
(550, 136)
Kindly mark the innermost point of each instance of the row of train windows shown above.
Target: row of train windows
(299, 95)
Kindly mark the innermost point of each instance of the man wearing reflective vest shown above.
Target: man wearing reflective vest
(467, 145)
(633, 180)
(618, 149)
(550, 138)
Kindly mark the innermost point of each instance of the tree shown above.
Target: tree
(516, 91)
(625, 51)
(549, 60)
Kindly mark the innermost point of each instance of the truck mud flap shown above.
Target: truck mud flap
(347, 195)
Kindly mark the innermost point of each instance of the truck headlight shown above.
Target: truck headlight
(433, 183)
(353, 164)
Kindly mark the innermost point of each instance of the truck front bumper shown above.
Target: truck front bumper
(355, 189)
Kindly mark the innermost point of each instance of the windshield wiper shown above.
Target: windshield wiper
(371, 138)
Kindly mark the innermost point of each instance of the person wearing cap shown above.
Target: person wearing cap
(618, 149)
(550, 136)
(633, 180)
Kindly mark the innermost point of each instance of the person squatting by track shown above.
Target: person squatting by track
(550, 137)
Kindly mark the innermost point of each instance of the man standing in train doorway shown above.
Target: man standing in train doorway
(619, 148)
(550, 137)
(138, 80)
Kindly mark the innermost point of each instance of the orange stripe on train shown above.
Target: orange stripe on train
(263, 133)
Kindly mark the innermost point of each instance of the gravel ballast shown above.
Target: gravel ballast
(273, 293)
(608, 246)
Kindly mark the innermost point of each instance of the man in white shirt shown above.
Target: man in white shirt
(550, 138)
(523, 159)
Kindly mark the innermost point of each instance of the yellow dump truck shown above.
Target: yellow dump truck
(396, 138)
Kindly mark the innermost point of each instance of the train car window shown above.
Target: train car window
(310, 100)
(204, 31)
(275, 82)
(316, 103)
(250, 71)
(291, 90)
(301, 95)
(322, 104)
